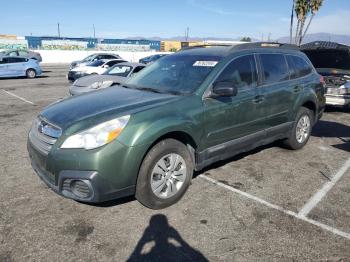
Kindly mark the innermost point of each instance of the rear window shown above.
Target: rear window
(274, 68)
(329, 58)
(298, 66)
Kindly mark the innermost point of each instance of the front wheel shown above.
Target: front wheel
(165, 174)
(301, 130)
(30, 73)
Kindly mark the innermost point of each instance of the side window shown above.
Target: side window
(23, 53)
(274, 68)
(137, 69)
(241, 71)
(299, 66)
(14, 59)
(13, 53)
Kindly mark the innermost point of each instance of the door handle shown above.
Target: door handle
(258, 99)
(297, 89)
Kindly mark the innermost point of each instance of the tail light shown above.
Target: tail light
(322, 81)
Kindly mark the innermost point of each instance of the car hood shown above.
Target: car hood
(102, 105)
(89, 80)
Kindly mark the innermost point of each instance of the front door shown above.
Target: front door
(230, 118)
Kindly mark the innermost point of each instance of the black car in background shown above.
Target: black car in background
(332, 61)
(151, 59)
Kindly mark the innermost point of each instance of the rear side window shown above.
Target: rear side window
(274, 68)
(298, 66)
(16, 59)
(241, 72)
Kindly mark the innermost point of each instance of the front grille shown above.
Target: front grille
(43, 135)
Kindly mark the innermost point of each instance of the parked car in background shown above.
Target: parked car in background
(94, 57)
(151, 59)
(11, 66)
(332, 61)
(96, 67)
(22, 53)
(117, 74)
(180, 114)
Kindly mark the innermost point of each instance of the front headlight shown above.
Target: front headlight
(98, 135)
(102, 84)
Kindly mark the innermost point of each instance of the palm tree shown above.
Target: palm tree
(291, 23)
(302, 9)
(315, 6)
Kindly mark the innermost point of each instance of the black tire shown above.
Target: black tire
(292, 142)
(31, 73)
(144, 193)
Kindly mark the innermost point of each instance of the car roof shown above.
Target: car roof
(130, 64)
(224, 50)
(105, 54)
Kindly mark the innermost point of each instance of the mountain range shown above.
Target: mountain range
(344, 39)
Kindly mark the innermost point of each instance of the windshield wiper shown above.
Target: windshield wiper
(150, 89)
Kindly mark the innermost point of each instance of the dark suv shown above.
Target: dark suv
(180, 114)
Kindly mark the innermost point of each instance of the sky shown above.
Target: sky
(148, 18)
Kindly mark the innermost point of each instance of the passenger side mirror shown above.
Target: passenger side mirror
(224, 88)
(105, 66)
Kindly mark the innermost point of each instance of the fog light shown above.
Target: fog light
(81, 188)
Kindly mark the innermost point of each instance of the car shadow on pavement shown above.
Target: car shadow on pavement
(336, 130)
(162, 242)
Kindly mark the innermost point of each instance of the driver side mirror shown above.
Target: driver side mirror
(224, 88)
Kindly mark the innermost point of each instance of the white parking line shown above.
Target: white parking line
(21, 98)
(281, 209)
(306, 209)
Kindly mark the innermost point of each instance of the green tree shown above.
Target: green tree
(315, 6)
(173, 49)
(303, 9)
(246, 39)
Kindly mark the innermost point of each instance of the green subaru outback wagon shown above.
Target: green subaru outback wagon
(180, 114)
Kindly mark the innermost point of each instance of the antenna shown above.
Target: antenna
(93, 26)
(58, 30)
(187, 33)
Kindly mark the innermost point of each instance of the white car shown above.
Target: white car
(97, 67)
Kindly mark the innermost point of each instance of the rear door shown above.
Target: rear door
(17, 66)
(276, 90)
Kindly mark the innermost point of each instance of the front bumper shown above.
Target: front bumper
(107, 172)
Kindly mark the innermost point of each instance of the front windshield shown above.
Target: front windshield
(177, 73)
(119, 70)
(96, 63)
(89, 58)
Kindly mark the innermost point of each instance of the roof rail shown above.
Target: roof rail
(203, 46)
(264, 45)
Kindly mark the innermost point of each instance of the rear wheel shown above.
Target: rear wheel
(30, 73)
(302, 128)
(165, 174)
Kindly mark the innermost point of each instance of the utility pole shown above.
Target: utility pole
(187, 33)
(58, 30)
(269, 38)
(93, 26)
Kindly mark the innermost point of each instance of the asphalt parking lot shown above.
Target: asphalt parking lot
(271, 204)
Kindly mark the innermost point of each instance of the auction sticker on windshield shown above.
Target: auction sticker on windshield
(205, 63)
